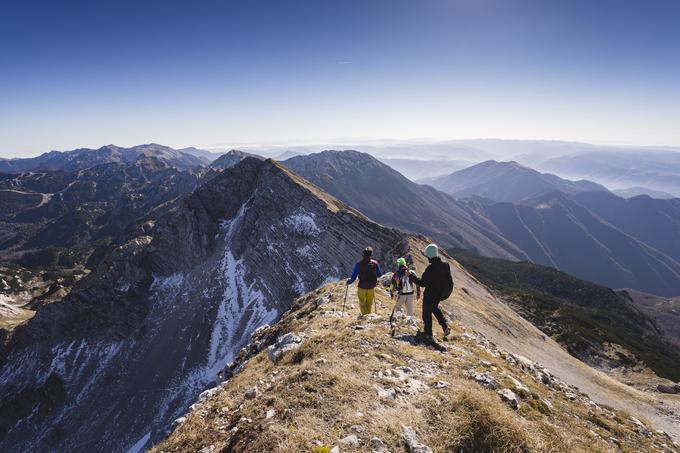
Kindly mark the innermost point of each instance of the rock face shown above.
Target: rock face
(134, 344)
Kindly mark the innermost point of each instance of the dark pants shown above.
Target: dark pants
(431, 307)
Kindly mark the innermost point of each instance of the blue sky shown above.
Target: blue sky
(216, 74)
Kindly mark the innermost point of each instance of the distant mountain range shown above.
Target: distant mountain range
(631, 192)
(506, 181)
(63, 207)
(82, 158)
(203, 154)
(542, 224)
(69, 205)
(387, 197)
(419, 169)
(653, 169)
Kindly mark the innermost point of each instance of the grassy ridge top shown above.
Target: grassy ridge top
(348, 384)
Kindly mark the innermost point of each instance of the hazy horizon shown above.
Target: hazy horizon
(367, 146)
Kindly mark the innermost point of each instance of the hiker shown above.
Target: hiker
(404, 288)
(438, 285)
(368, 271)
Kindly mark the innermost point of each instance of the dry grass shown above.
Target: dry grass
(321, 390)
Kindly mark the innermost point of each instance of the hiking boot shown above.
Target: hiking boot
(425, 337)
(447, 333)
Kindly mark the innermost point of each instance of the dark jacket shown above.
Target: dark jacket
(434, 279)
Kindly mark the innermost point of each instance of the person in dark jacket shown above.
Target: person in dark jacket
(368, 271)
(435, 279)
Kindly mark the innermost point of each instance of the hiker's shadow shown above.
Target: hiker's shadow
(407, 338)
(415, 341)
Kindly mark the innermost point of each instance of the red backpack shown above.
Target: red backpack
(368, 274)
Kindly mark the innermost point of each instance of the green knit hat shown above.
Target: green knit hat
(401, 262)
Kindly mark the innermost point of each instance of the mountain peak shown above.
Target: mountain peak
(506, 181)
(231, 158)
(174, 302)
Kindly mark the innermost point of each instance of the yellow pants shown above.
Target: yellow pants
(366, 297)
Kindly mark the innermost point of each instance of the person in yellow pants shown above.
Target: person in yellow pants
(368, 271)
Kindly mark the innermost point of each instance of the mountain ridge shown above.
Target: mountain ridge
(168, 307)
(83, 158)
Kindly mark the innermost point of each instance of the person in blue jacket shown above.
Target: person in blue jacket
(368, 271)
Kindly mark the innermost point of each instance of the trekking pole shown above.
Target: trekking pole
(344, 301)
(393, 324)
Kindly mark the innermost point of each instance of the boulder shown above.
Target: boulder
(482, 379)
(252, 393)
(207, 394)
(378, 446)
(509, 397)
(387, 394)
(640, 427)
(411, 439)
(673, 389)
(287, 342)
(351, 440)
(521, 389)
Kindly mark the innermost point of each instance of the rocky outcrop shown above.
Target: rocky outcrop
(168, 308)
(671, 389)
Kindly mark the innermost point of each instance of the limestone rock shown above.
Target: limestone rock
(287, 342)
(509, 397)
(521, 389)
(387, 394)
(351, 440)
(411, 439)
(252, 393)
(482, 379)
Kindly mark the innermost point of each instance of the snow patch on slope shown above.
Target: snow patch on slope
(140, 444)
(303, 223)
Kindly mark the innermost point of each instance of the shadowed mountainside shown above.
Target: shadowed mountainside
(584, 317)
